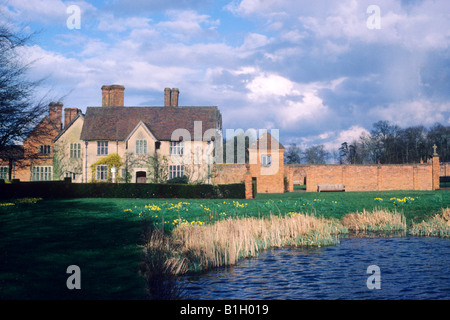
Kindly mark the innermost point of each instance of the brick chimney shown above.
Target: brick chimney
(175, 94)
(58, 118)
(113, 95)
(69, 115)
(167, 97)
(52, 111)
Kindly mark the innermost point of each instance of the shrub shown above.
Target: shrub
(61, 189)
(183, 180)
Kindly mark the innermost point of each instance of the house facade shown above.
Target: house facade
(33, 161)
(117, 143)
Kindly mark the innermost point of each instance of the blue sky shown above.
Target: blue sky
(312, 69)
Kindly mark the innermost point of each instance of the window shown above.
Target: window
(176, 171)
(176, 147)
(75, 150)
(41, 173)
(4, 172)
(266, 160)
(141, 146)
(71, 175)
(45, 149)
(102, 173)
(102, 148)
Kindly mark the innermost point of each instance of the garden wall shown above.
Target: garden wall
(371, 177)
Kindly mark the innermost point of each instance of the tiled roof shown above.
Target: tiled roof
(266, 140)
(116, 123)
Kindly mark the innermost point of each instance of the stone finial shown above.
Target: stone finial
(434, 151)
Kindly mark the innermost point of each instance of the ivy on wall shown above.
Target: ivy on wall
(111, 160)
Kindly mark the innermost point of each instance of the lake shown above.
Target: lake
(409, 268)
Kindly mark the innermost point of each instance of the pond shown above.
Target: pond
(408, 268)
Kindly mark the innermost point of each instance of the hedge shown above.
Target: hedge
(63, 189)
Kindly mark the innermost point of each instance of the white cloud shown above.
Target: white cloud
(335, 139)
(415, 112)
(110, 22)
(44, 11)
(185, 24)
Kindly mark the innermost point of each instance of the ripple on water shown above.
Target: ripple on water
(410, 267)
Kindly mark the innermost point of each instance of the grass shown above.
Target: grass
(41, 238)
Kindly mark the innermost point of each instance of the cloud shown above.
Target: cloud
(415, 112)
(48, 12)
(185, 24)
(110, 22)
(313, 70)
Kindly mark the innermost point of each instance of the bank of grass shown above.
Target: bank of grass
(41, 238)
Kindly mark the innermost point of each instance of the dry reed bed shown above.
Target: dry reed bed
(225, 242)
(377, 220)
(439, 226)
(198, 248)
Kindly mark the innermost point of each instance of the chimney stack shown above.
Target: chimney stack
(58, 118)
(51, 111)
(171, 97)
(113, 96)
(167, 97)
(175, 94)
(69, 115)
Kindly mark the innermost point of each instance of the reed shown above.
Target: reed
(225, 242)
(376, 220)
(439, 225)
(161, 263)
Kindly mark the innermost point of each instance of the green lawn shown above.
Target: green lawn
(40, 240)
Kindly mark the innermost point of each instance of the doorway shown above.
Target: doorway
(141, 177)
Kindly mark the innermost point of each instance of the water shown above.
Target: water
(410, 268)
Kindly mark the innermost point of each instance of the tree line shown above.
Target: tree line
(386, 143)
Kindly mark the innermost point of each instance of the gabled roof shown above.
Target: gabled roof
(68, 126)
(145, 128)
(116, 123)
(268, 141)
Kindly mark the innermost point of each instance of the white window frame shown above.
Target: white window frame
(41, 173)
(266, 160)
(102, 172)
(102, 148)
(176, 171)
(141, 146)
(4, 172)
(176, 148)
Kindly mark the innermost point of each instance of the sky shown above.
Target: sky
(319, 72)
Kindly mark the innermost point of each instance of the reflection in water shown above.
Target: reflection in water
(411, 268)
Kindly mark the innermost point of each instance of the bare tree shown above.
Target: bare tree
(20, 113)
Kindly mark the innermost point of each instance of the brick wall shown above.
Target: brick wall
(444, 169)
(228, 173)
(372, 177)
